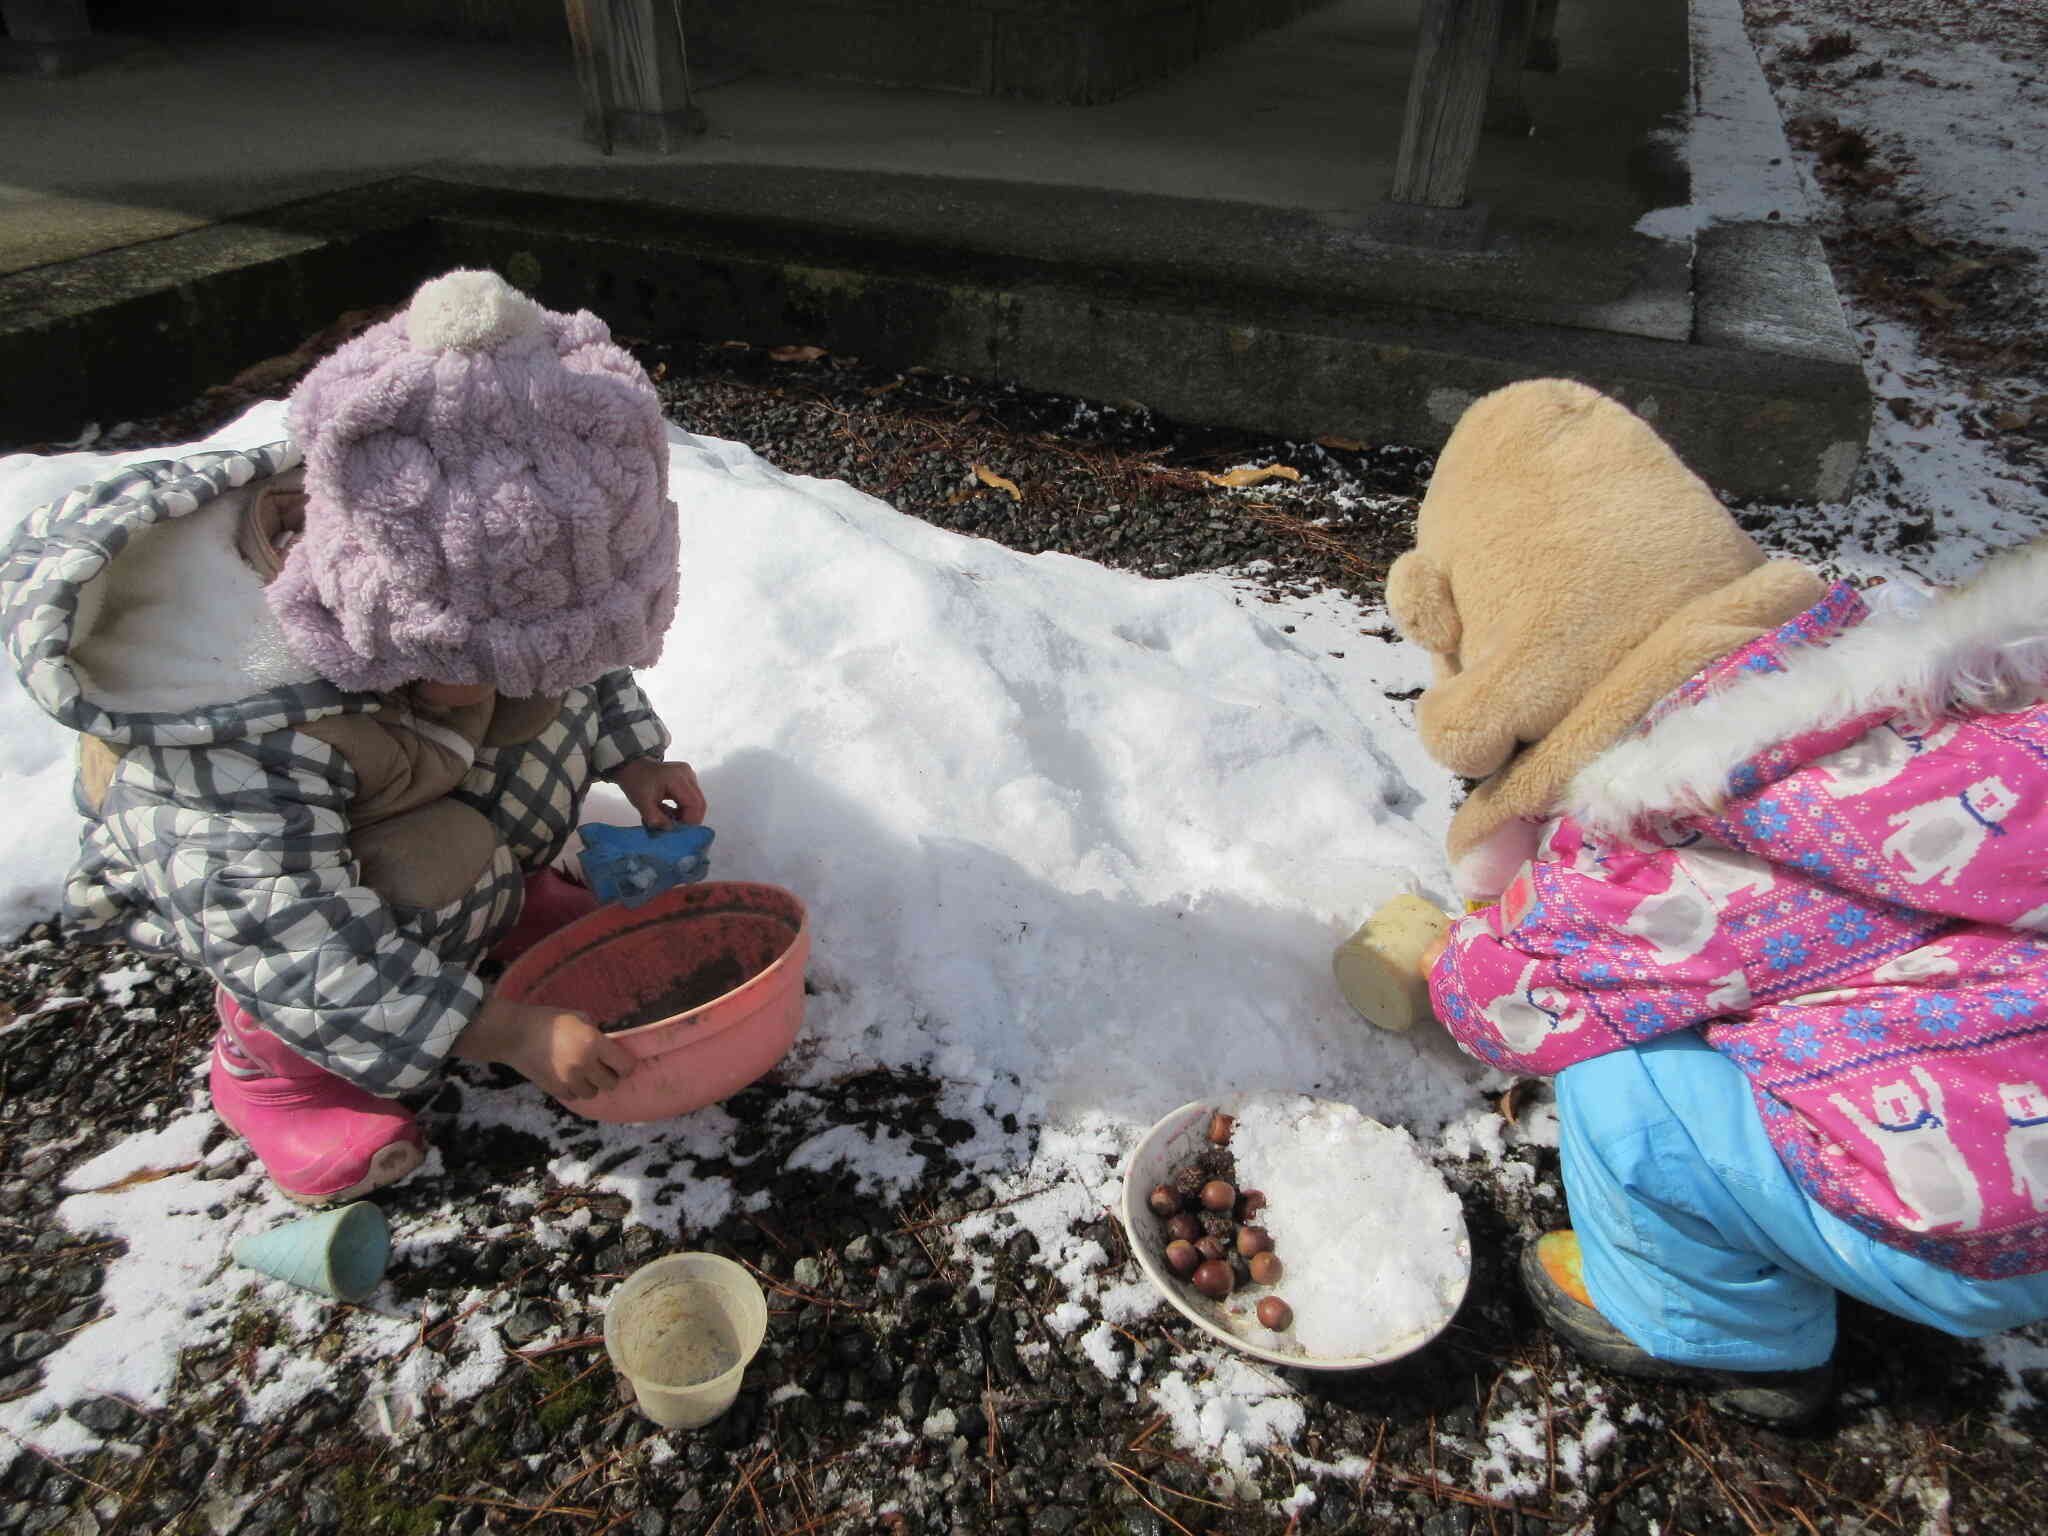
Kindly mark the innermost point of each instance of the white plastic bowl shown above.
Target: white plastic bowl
(681, 1332)
(1233, 1321)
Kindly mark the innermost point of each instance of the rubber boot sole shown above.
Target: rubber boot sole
(387, 1166)
(1780, 1399)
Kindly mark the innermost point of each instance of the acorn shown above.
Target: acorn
(1274, 1313)
(1213, 1279)
(1187, 1181)
(1220, 1127)
(1163, 1200)
(1265, 1267)
(1183, 1226)
(1251, 1240)
(1182, 1259)
(1217, 1195)
(1210, 1248)
(1250, 1203)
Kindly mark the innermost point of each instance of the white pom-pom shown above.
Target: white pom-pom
(469, 312)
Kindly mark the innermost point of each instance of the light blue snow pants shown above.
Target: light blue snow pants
(1700, 1247)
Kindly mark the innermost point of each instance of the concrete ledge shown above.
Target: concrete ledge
(141, 329)
(1763, 404)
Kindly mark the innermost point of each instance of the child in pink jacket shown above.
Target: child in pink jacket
(1766, 876)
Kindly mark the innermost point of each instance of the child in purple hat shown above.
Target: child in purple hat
(340, 699)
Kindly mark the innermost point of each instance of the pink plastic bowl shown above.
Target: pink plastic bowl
(753, 940)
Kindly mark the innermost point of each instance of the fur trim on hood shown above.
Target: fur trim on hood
(130, 615)
(1982, 649)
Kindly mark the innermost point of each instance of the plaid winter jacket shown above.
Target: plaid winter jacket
(219, 825)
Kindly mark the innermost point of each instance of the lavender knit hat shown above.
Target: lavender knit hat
(486, 500)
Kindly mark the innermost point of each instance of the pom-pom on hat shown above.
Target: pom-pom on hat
(486, 500)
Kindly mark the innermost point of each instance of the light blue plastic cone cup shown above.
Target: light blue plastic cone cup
(339, 1253)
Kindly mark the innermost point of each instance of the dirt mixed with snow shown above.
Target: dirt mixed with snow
(930, 1366)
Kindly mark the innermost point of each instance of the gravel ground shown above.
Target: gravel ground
(1005, 1426)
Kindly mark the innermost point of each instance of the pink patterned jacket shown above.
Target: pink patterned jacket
(1829, 851)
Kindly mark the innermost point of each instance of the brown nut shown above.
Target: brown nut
(1210, 1248)
(1213, 1279)
(1218, 1195)
(1251, 1240)
(1265, 1267)
(1163, 1200)
(1274, 1313)
(1183, 1226)
(1250, 1203)
(1182, 1259)
(1220, 1127)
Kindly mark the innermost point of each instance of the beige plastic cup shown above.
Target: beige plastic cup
(1379, 967)
(680, 1332)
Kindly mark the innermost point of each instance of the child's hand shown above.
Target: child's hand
(655, 788)
(559, 1050)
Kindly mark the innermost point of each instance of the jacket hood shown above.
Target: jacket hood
(1981, 649)
(131, 616)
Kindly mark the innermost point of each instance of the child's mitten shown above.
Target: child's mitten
(631, 865)
(1379, 968)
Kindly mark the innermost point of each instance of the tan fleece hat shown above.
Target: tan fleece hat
(1568, 572)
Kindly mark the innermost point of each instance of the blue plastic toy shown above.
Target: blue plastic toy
(632, 865)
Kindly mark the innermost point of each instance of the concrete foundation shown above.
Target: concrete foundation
(1218, 266)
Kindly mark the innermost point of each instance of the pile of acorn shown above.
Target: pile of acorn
(1212, 1242)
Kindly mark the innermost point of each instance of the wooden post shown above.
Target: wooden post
(633, 72)
(46, 21)
(1542, 51)
(1446, 101)
(592, 71)
(50, 37)
(1507, 104)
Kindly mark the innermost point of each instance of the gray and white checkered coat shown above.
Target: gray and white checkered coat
(223, 834)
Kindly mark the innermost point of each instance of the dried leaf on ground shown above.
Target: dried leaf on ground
(796, 354)
(1249, 474)
(994, 481)
(1518, 1098)
(139, 1177)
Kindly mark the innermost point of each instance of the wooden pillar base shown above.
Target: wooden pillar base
(662, 132)
(1442, 229)
(69, 57)
(1447, 92)
(633, 75)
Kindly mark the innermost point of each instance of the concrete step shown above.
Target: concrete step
(1280, 321)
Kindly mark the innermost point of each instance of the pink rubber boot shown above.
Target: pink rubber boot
(553, 901)
(322, 1139)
